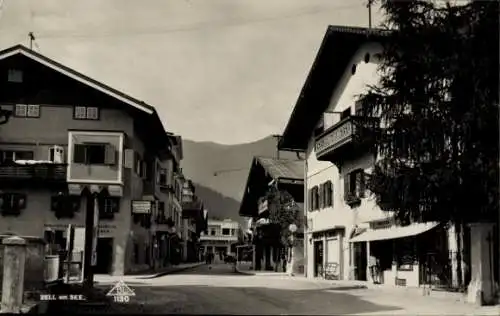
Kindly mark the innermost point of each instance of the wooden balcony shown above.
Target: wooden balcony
(33, 173)
(347, 139)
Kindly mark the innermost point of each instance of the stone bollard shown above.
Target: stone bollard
(13, 274)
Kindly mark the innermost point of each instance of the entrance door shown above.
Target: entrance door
(318, 258)
(104, 256)
(360, 260)
(333, 257)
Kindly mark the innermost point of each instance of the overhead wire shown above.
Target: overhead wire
(194, 27)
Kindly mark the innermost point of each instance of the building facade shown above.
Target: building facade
(195, 222)
(167, 225)
(276, 176)
(221, 237)
(74, 144)
(345, 227)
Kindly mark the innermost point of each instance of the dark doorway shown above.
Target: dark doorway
(104, 255)
(360, 260)
(318, 258)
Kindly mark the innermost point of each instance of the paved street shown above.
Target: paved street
(216, 289)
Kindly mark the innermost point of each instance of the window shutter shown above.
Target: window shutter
(347, 186)
(360, 183)
(329, 194)
(79, 153)
(109, 155)
(321, 195)
(128, 160)
(310, 200)
(316, 197)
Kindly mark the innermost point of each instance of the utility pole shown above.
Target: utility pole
(278, 138)
(369, 6)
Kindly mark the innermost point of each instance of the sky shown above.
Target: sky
(226, 71)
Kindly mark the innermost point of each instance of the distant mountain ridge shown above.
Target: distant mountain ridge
(219, 171)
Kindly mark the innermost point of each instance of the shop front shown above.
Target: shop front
(402, 255)
(328, 253)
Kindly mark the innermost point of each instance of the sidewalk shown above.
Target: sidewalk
(105, 278)
(412, 301)
(244, 268)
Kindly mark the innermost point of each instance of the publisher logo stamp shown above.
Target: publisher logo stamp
(121, 292)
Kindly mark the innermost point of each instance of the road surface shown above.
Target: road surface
(216, 289)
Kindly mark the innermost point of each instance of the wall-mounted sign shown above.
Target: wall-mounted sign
(104, 229)
(263, 206)
(142, 207)
(335, 136)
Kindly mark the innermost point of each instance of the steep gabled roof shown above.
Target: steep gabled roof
(23, 50)
(339, 45)
(282, 169)
(288, 173)
(153, 121)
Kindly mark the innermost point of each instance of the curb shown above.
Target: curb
(348, 287)
(244, 272)
(160, 274)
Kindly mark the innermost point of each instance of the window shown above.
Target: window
(86, 113)
(10, 155)
(27, 110)
(136, 253)
(354, 186)
(326, 195)
(15, 75)
(12, 202)
(162, 176)
(108, 206)
(212, 232)
(346, 113)
(315, 198)
(226, 231)
(359, 108)
(233, 232)
(94, 154)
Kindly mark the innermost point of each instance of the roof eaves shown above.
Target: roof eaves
(21, 49)
(284, 142)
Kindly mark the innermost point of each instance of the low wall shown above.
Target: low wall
(34, 265)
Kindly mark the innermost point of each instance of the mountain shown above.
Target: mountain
(220, 171)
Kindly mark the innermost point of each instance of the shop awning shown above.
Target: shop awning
(394, 232)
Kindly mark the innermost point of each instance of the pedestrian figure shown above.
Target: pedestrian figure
(283, 259)
(373, 264)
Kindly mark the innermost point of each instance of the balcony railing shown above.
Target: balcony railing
(348, 137)
(32, 172)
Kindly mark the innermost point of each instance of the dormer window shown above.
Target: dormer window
(15, 75)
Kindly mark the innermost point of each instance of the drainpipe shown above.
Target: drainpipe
(305, 224)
